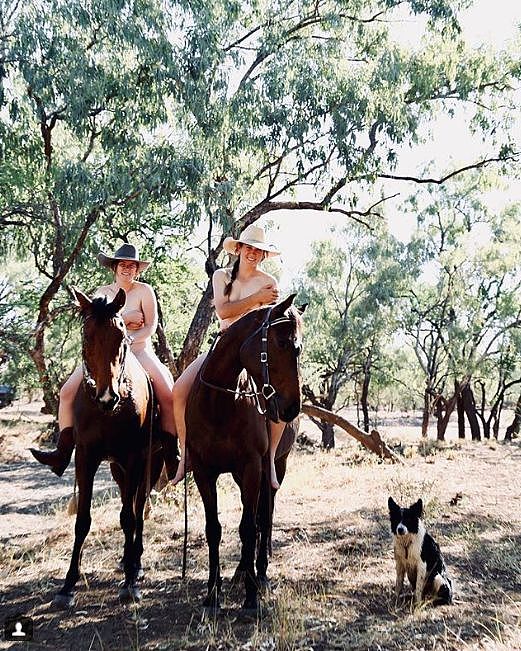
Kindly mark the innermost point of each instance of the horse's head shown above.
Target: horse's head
(271, 355)
(105, 346)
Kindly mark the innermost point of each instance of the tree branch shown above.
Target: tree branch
(483, 163)
(372, 441)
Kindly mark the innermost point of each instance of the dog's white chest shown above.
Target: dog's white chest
(407, 552)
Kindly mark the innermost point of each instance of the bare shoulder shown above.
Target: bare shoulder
(104, 290)
(266, 277)
(221, 277)
(144, 289)
(222, 274)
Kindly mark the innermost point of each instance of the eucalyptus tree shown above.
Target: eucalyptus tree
(352, 289)
(83, 159)
(305, 105)
(464, 317)
(120, 117)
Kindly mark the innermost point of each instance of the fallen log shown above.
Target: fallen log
(372, 441)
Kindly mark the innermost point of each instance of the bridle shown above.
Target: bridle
(90, 382)
(267, 391)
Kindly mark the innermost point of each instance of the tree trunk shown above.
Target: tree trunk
(322, 403)
(162, 348)
(444, 413)
(365, 391)
(197, 330)
(426, 412)
(372, 441)
(61, 268)
(328, 435)
(461, 414)
(495, 425)
(469, 404)
(512, 430)
(37, 353)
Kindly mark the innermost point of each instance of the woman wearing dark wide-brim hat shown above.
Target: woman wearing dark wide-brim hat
(140, 316)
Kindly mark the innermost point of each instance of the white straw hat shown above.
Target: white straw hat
(254, 236)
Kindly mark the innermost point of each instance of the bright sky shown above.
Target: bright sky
(488, 23)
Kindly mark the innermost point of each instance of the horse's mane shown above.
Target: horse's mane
(258, 316)
(101, 310)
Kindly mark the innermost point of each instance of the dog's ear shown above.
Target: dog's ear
(417, 508)
(392, 505)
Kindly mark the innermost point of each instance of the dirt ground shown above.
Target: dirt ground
(332, 568)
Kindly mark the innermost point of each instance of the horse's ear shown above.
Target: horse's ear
(301, 308)
(83, 300)
(280, 308)
(119, 300)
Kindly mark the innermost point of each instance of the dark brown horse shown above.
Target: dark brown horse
(113, 419)
(227, 430)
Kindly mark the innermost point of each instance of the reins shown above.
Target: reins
(267, 391)
(150, 435)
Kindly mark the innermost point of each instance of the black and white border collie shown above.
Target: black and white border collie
(418, 555)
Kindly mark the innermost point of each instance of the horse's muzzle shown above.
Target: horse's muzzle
(108, 400)
(290, 413)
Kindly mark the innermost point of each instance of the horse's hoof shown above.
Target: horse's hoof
(129, 594)
(63, 601)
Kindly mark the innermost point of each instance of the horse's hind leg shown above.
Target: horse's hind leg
(250, 488)
(142, 495)
(85, 471)
(206, 484)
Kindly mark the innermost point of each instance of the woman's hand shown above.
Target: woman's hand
(268, 294)
(133, 319)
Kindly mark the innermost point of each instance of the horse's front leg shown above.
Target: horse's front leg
(85, 470)
(132, 477)
(206, 483)
(250, 488)
(265, 521)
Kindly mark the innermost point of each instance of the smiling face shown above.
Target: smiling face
(126, 271)
(250, 256)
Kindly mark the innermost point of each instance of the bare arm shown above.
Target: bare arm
(149, 307)
(227, 309)
(133, 319)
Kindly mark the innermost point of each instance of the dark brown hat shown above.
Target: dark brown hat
(125, 252)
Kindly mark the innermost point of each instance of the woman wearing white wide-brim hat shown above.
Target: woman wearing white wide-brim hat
(140, 316)
(236, 291)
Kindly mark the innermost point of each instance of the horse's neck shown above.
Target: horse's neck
(224, 366)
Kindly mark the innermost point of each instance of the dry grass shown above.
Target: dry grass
(332, 570)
